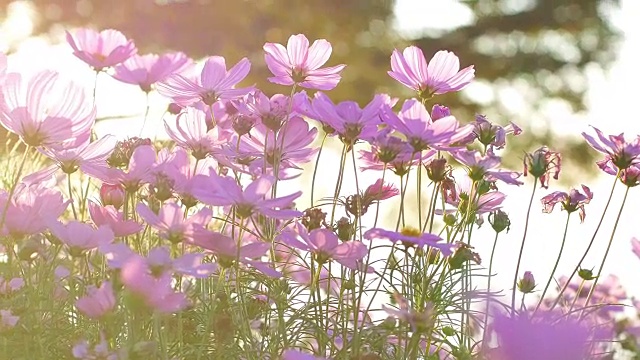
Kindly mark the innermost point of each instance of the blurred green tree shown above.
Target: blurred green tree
(539, 48)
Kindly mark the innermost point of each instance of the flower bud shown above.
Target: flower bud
(344, 229)
(499, 221)
(112, 195)
(527, 283)
(174, 109)
(586, 274)
(437, 170)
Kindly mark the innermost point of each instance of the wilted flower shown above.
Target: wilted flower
(543, 164)
(620, 153)
(574, 201)
(300, 63)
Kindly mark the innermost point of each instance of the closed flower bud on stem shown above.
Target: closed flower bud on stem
(527, 283)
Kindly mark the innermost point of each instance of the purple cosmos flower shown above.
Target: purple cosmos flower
(574, 201)
(272, 112)
(300, 63)
(421, 131)
(98, 301)
(171, 223)
(46, 111)
(441, 75)
(146, 70)
(543, 164)
(248, 201)
(101, 49)
(227, 251)
(291, 354)
(325, 246)
(621, 153)
(491, 135)
(411, 237)
(11, 286)
(464, 193)
(7, 320)
(548, 336)
(484, 167)
(83, 351)
(347, 119)
(215, 83)
(81, 237)
(85, 156)
(419, 320)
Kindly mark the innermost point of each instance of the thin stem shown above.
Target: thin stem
(577, 268)
(555, 266)
(486, 314)
(146, 115)
(95, 86)
(73, 206)
(524, 237)
(315, 169)
(606, 253)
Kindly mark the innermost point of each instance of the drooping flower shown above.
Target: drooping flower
(46, 111)
(98, 301)
(620, 152)
(411, 237)
(224, 191)
(441, 75)
(358, 204)
(325, 246)
(543, 164)
(300, 63)
(421, 131)
(171, 223)
(574, 201)
(215, 83)
(490, 135)
(146, 70)
(101, 49)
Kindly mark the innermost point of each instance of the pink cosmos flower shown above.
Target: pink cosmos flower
(87, 155)
(289, 147)
(7, 320)
(155, 292)
(620, 152)
(81, 237)
(32, 209)
(421, 131)
(112, 195)
(146, 70)
(181, 171)
(464, 193)
(547, 335)
(441, 75)
(247, 202)
(46, 111)
(171, 223)
(291, 354)
(411, 237)
(11, 286)
(101, 49)
(347, 119)
(325, 246)
(82, 350)
(114, 219)
(190, 132)
(490, 135)
(215, 83)
(98, 301)
(574, 201)
(300, 63)
(272, 112)
(138, 170)
(373, 194)
(484, 167)
(227, 251)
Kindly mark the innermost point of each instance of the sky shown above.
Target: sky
(611, 107)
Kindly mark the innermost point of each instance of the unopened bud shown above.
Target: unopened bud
(586, 274)
(437, 170)
(499, 221)
(527, 283)
(439, 111)
(112, 195)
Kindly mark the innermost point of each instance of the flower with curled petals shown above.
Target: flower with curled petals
(146, 70)
(101, 49)
(300, 63)
(573, 201)
(441, 75)
(621, 153)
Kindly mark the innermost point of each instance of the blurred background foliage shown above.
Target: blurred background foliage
(530, 52)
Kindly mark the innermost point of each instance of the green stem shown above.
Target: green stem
(524, 237)
(315, 169)
(486, 314)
